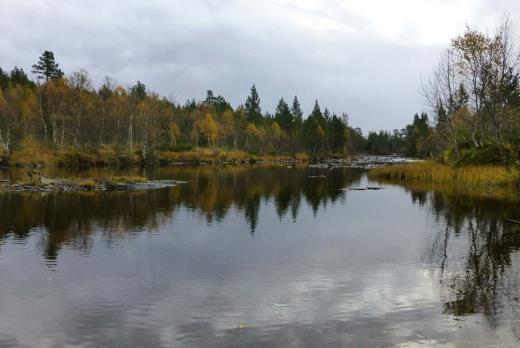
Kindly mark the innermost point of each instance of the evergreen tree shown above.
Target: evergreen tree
(190, 105)
(284, 117)
(138, 91)
(106, 90)
(252, 107)
(337, 134)
(219, 103)
(316, 111)
(297, 112)
(326, 114)
(19, 77)
(210, 98)
(4, 79)
(47, 68)
(416, 133)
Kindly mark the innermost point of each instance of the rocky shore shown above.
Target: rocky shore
(43, 184)
(363, 161)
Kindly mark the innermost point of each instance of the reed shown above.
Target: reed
(434, 173)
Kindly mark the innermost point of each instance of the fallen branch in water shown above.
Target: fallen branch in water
(513, 221)
(374, 188)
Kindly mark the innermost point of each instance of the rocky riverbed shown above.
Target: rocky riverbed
(363, 161)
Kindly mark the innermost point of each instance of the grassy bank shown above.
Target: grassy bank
(33, 154)
(489, 182)
(428, 172)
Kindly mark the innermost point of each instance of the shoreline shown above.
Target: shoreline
(44, 156)
(31, 156)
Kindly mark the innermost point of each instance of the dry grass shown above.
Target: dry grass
(432, 173)
(301, 156)
(221, 155)
(30, 153)
(124, 179)
(203, 155)
(87, 184)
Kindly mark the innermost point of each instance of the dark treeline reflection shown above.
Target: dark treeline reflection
(475, 254)
(70, 218)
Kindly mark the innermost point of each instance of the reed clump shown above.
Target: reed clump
(435, 173)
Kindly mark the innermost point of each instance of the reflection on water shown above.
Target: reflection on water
(70, 218)
(476, 254)
(258, 256)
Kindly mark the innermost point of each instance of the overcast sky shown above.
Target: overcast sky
(364, 57)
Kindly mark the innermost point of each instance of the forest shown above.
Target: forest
(473, 94)
(68, 112)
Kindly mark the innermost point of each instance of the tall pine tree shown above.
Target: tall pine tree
(297, 112)
(138, 91)
(316, 112)
(284, 117)
(252, 107)
(47, 68)
(4, 79)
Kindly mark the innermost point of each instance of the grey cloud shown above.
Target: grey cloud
(180, 49)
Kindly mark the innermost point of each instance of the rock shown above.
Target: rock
(61, 185)
(47, 181)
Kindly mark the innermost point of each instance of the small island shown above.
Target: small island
(37, 183)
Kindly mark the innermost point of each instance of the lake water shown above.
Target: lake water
(258, 257)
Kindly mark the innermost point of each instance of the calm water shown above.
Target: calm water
(255, 256)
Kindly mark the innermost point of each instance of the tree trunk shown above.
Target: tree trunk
(102, 129)
(45, 130)
(131, 133)
(62, 142)
(78, 128)
(55, 130)
(5, 141)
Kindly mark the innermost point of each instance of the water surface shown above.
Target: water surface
(257, 256)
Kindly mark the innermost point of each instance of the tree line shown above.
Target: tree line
(69, 112)
(412, 140)
(474, 95)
